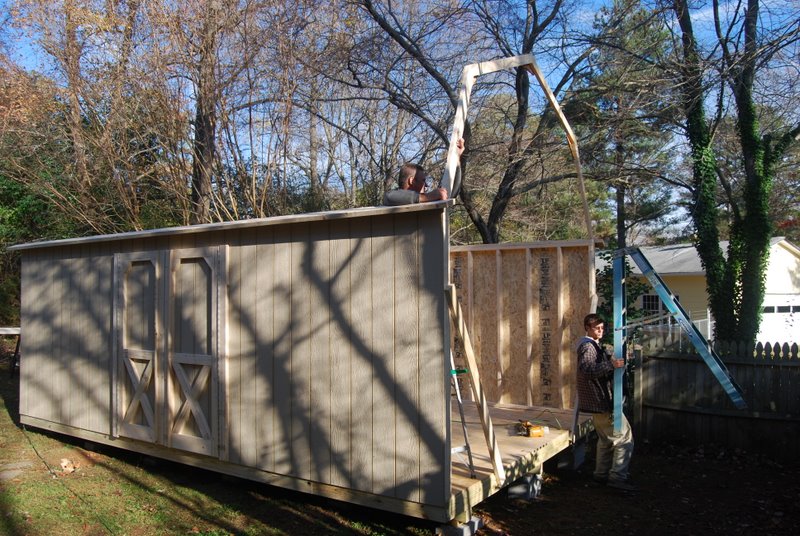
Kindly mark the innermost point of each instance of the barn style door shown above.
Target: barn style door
(167, 322)
(192, 389)
(137, 319)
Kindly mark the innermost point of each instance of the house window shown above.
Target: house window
(784, 309)
(653, 306)
(769, 309)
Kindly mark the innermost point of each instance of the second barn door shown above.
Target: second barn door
(196, 297)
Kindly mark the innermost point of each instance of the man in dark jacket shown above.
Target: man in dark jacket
(595, 396)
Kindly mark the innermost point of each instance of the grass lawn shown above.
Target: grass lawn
(111, 491)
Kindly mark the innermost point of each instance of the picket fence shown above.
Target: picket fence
(676, 398)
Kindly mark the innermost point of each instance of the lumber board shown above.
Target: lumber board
(475, 384)
(240, 340)
(548, 244)
(406, 365)
(523, 307)
(318, 267)
(513, 316)
(434, 363)
(340, 348)
(263, 319)
(301, 359)
(282, 352)
(360, 472)
(393, 252)
(483, 326)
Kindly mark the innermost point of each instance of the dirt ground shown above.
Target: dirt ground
(705, 491)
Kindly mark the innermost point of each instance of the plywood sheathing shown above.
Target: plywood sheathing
(524, 306)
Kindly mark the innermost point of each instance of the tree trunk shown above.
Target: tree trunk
(756, 228)
(704, 208)
(205, 120)
(72, 58)
(515, 158)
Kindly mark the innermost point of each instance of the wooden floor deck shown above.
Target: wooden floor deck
(520, 454)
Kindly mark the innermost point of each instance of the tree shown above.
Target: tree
(416, 32)
(621, 107)
(26, 214)
(746, 48)
(100, 147)
(212, 44)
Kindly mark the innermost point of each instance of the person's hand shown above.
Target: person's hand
(618, 363)
(434, 195)
(460, 146)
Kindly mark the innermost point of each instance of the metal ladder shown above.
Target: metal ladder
(712, 360)
(460, 450)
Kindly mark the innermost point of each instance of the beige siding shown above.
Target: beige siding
(319, 263)
(239, 340)
(35, 345)
(341, 353)
(361, 408)
(691, 293)
(333, 355)
(434, 366)
(341, 356)
(66, 319)
(783, 271)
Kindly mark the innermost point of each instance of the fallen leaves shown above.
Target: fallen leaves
(67, 466)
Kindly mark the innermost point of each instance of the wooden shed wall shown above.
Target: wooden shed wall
(337, 331)
(524, 305)
(66, 345)
(332, 351)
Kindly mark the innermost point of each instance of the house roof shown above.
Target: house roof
(682, 259)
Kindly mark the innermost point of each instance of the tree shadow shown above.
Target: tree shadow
(325, 305)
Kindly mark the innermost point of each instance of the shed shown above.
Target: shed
(310, 352)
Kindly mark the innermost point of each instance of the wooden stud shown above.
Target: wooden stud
(478, 395)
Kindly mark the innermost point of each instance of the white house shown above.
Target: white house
(680, 268)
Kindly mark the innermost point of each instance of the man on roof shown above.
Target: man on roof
(412, 185)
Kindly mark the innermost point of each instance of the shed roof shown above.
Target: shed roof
(239, 224)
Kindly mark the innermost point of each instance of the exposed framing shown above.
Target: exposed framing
(468, 77)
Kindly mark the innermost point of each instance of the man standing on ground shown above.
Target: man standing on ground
(595, 396)
(411, 185)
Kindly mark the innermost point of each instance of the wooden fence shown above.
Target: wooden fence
(677, 398)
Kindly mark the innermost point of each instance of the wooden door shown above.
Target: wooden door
(138, 303)
(192, 377)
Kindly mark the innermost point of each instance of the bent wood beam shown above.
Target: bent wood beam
(468, 76)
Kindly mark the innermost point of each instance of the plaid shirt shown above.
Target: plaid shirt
(595, 378)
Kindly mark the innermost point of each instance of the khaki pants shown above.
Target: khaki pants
(613, 451)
